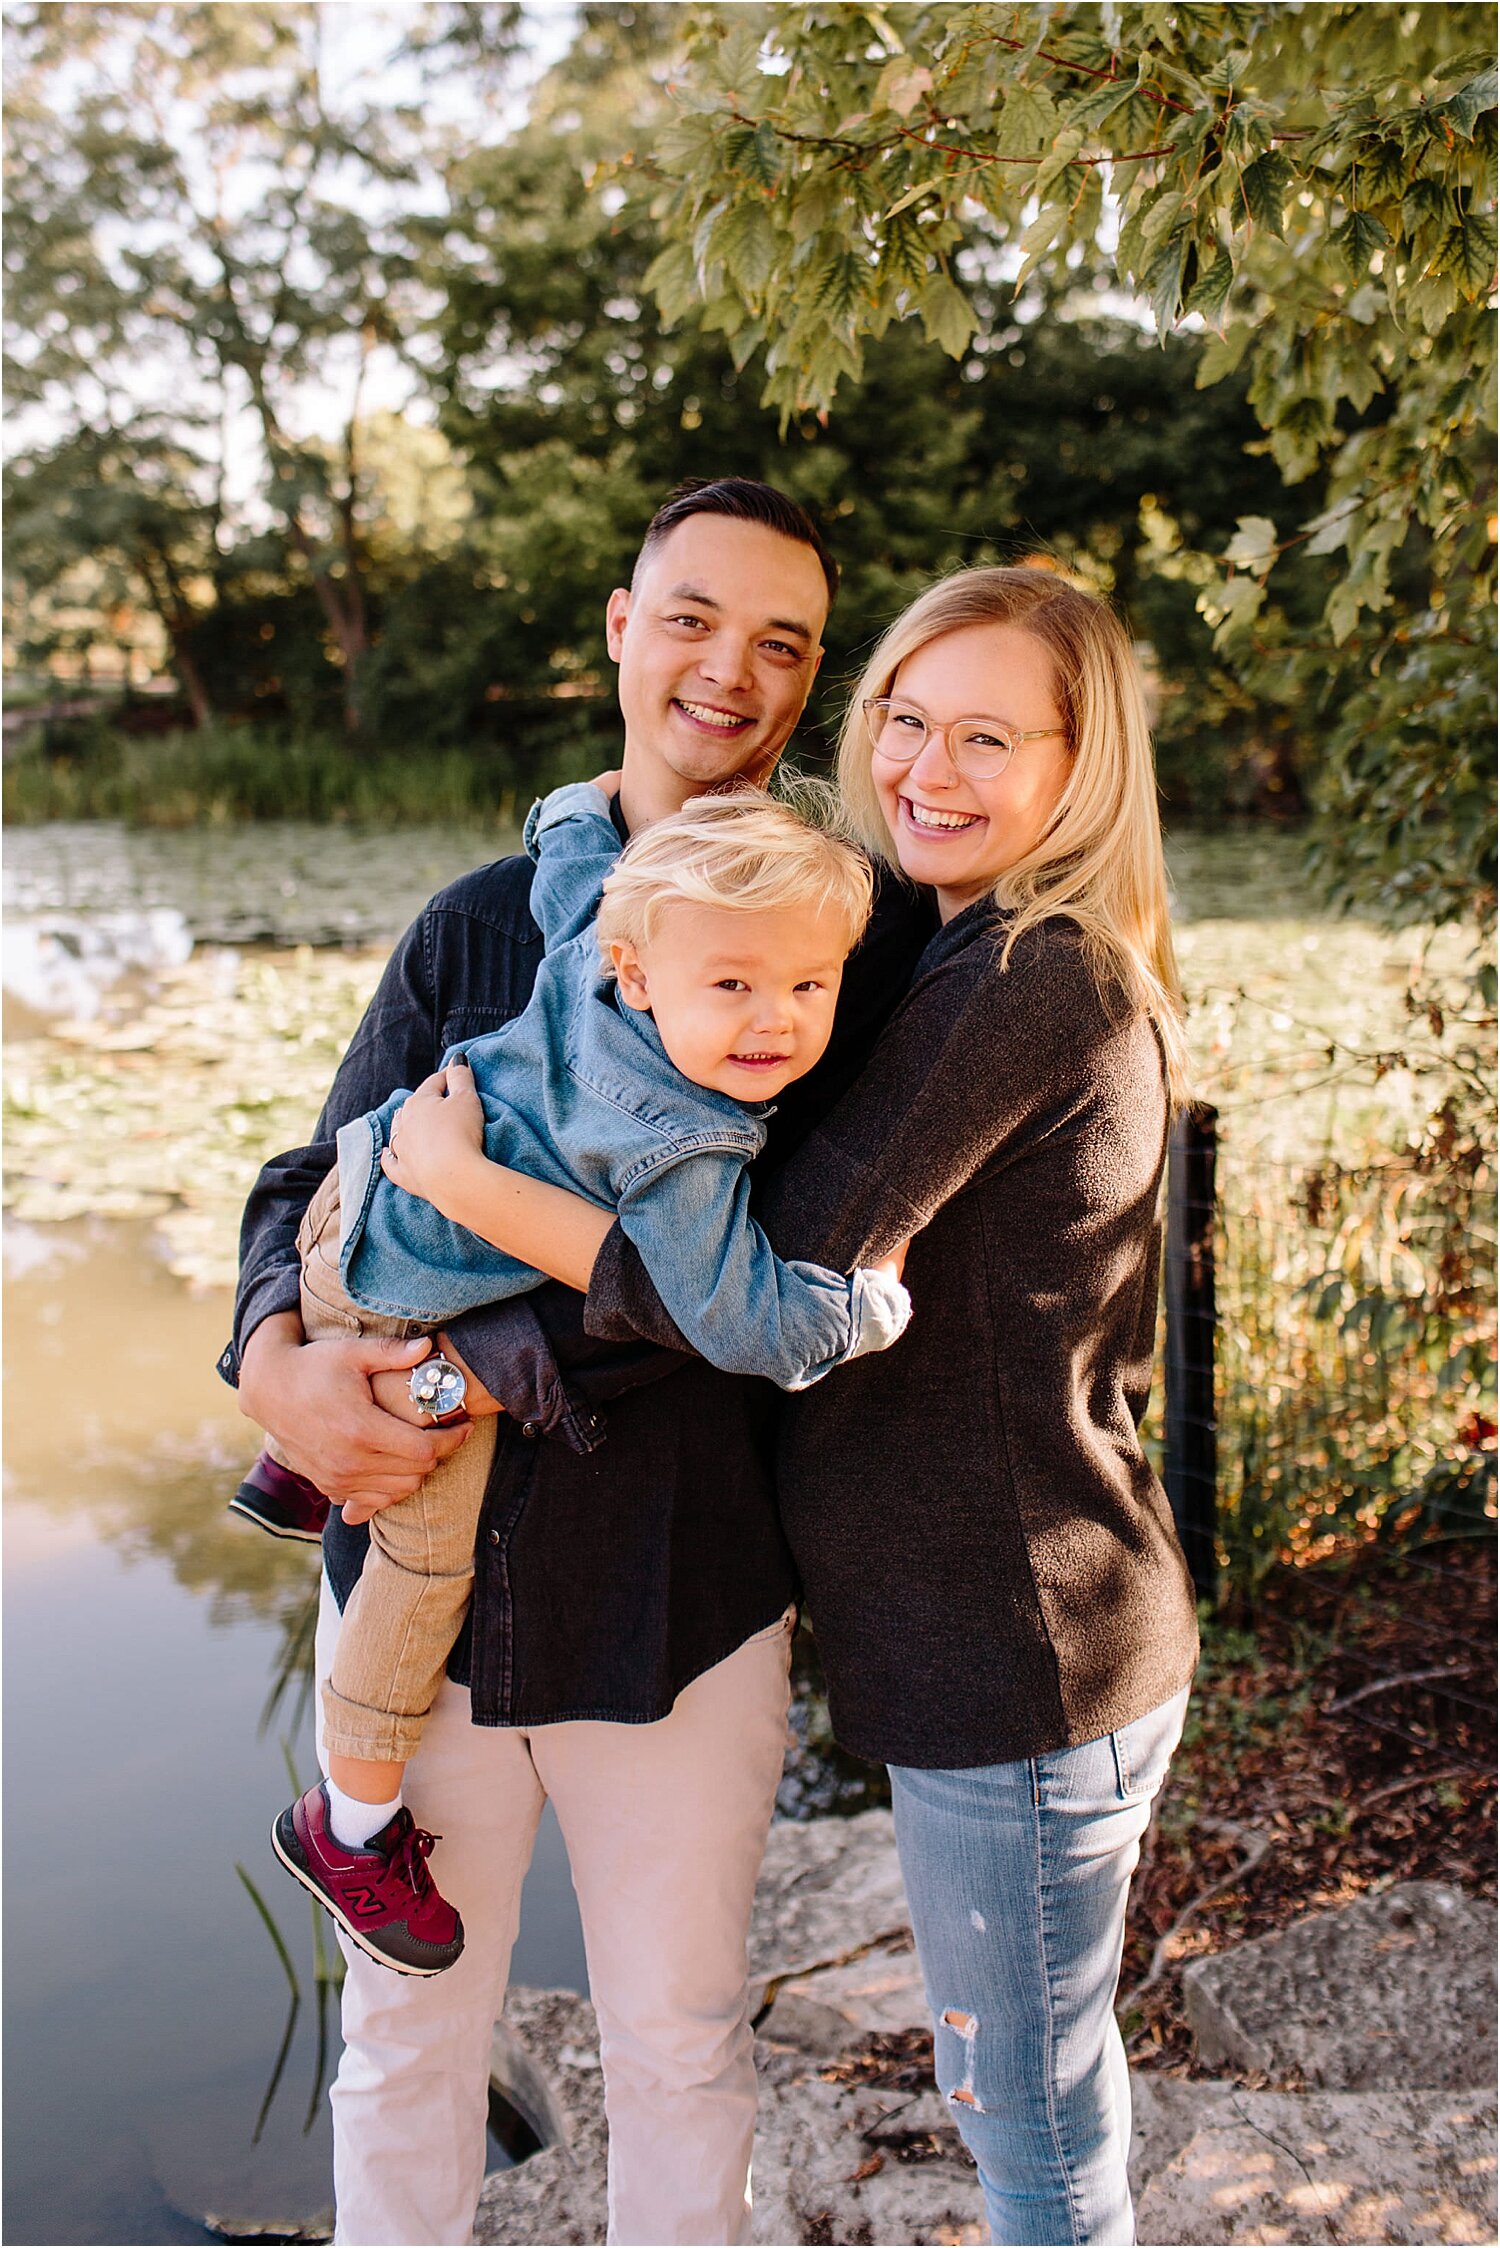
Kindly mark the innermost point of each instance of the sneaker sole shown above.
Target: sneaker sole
(272, 1529)
(355, 1935)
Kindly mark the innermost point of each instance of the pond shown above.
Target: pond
(175, 1006)
(144, 2000)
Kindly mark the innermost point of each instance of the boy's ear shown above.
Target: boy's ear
(630, 975)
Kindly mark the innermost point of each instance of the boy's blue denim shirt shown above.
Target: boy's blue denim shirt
(578, 1091)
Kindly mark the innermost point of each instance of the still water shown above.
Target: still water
(144, 2001)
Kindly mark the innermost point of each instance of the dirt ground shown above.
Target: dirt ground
(1344, 1742)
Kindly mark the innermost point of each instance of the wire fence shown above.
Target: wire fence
(1329, 1354)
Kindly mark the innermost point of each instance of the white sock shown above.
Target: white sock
(354, 1822)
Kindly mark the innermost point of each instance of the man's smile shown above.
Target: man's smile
(705, 714)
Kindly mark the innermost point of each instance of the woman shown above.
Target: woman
(1003, 1612)
(1001, 1605)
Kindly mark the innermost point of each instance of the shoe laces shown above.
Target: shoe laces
(409, 1858)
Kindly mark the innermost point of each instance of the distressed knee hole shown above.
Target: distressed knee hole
(967, 2027)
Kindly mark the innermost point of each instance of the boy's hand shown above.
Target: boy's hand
(608, 784)
(436, 1135)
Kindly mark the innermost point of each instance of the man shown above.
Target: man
(627, 1647)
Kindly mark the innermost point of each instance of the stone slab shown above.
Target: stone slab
(1394, 1991)
(828, 1888)
(545, 2058)
(1335, 2167)
(859, 2162)
(831, 2008)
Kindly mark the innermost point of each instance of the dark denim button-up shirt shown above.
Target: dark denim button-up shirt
(629, 1537)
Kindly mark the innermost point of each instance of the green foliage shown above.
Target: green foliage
(87, 769)
(444, 585)
(181, 195)
(1313, 185)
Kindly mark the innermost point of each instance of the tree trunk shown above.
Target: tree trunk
(190, 678)
(341, 601)
(177, 623)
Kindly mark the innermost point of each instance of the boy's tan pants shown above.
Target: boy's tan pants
(405, 1613)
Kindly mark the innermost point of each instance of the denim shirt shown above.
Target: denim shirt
(579, 1091)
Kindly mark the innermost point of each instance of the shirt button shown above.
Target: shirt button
(529, 1428)
(494, 1537)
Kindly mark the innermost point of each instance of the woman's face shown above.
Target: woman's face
(956, 833)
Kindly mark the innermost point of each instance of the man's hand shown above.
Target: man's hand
(435, 1136)
(317, 1400)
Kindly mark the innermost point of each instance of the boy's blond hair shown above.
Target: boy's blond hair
(742, 851)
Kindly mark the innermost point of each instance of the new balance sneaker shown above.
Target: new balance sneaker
(277, 1500)
(383, 1895)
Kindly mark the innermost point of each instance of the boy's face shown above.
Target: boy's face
(743, 1001)
(718, 644)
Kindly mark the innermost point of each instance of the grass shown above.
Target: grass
(82, 769)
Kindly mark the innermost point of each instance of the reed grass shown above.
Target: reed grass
(223, 774)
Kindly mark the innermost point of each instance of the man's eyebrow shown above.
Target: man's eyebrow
(703, 600)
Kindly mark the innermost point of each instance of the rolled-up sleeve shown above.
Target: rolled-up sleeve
(735, 1302)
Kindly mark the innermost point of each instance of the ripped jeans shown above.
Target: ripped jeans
(1018, 1875)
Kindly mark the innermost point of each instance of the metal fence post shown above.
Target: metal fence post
(1190, 1466)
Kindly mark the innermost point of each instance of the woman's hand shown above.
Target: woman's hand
(436, 1137)
(895, 1263)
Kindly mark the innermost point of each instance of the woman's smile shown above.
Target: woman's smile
(930, 821)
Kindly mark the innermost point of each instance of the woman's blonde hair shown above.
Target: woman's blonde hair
(1100, 860)
(743, 851)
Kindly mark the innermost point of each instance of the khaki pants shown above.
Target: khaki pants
(665, 1826)
(406, 1611)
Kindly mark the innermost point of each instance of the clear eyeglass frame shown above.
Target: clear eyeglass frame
(978, 759)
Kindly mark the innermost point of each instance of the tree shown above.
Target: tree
(1310, 186)
(120, 507)
(190, 216)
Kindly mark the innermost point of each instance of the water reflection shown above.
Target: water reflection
(277, 882)
(62, 964)
(146, 2006)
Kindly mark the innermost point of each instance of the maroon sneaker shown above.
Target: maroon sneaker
(277, 1500)
(382, 1896)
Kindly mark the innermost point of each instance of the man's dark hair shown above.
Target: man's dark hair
(745, 501)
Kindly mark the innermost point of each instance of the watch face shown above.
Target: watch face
(437, 1387)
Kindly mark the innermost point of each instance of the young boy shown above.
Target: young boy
(638, 1077)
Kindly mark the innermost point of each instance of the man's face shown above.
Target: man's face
(718, 644)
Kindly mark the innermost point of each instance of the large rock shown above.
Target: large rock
(1396, 1991)
(545, 2059)
(855, 2148)
(843, 2155)
(1356, 2167)
(828, 1889)
(878, 1992)
(853, 2154)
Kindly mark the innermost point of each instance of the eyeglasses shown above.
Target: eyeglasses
(979, 748)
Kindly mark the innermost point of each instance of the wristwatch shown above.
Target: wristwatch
(438, 1387)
